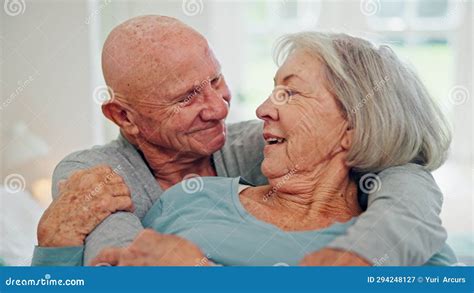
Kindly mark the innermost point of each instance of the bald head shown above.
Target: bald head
(142, 57)
(177, 97)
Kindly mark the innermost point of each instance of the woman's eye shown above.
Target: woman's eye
(291, 93)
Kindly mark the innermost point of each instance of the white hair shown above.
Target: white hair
(394, 118)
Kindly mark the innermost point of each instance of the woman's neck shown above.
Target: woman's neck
(325, 205)
(320, 197)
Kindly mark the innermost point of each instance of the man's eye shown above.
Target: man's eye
(216, 80)
(186, 100)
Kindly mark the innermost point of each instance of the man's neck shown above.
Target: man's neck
(171, 167)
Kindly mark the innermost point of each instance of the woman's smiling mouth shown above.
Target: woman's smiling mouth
(272, 139)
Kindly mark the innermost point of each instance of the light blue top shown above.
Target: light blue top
(208, 212)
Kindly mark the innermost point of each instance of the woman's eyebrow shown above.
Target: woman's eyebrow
(287, 78)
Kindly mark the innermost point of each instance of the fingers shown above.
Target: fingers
(107, 257)
(121, 203)
(146, 236)
(118, 190)
(149, 233)
(102, 172)
(104, 176)
(98, 180)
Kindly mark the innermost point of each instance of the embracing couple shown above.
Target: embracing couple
(336, 171)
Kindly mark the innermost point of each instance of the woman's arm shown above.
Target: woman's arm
(401, 226)
(153, 249)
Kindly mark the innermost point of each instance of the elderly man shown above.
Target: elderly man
(170, 101)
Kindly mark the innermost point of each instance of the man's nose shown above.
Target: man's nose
(215, 106)
(267, 110)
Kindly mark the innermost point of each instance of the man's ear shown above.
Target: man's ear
(121, 117)
(346, 141)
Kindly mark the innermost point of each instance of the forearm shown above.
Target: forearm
(401, 226)
(118, 230)
(392, 239)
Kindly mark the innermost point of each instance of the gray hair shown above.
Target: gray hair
(394, 118)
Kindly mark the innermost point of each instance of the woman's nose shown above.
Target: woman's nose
(267, 110)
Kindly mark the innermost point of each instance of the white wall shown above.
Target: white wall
(49, 46)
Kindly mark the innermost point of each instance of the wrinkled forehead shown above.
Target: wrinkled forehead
(143, 59)
(165, 71)
(185, 68)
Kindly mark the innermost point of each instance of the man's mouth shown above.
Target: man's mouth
(211, 127)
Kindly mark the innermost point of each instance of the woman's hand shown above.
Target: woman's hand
(333, 257)
(153, 249)
(85, 199)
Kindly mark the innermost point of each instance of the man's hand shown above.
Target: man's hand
(85, 199)
(333, 257)
(153, 249)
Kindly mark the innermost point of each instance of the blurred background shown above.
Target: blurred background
(52, 87)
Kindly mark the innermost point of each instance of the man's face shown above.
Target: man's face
(185, 109)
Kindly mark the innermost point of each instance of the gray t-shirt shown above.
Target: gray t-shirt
(401, 225)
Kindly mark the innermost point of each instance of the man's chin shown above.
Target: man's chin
(215, 144)
(213, 139)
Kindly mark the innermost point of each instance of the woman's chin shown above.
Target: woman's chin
(272, 168)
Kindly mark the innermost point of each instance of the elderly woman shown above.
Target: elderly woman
(340, 107)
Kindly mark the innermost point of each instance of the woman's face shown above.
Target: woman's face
(304, 126)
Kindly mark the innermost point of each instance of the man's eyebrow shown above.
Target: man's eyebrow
(194, 88)
(184, 93)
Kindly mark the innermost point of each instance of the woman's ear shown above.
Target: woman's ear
(347, 139)
(121, 117)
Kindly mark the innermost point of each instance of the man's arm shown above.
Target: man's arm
(401, 226)
(118, 229)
